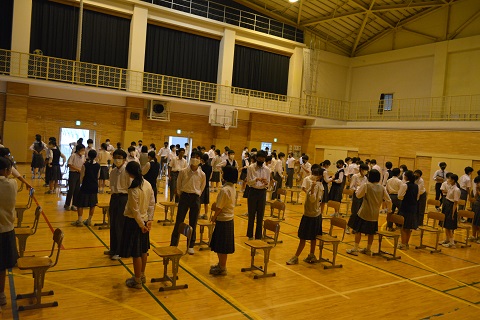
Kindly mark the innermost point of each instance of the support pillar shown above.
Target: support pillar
(225, 66)
(22, 19)
(136, 48)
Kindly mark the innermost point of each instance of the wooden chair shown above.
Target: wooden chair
(332, 204)
(39, 267)
(280, 207)
(436, 217)
(282, 192)
(348, 199)
(106, 213)
(330, 238)
(472, 201)
(168, 206)
(467, 226)
(296, 190)
(255, 245)
(22, 234)
(210, 226)
(21, 208)
(172, 253)
(432, 202)
(399, 221)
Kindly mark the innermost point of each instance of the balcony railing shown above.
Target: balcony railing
(233, 16)
(450, 108)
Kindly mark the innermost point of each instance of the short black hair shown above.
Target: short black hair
(363, 166)
(340, 162)
(205, 157)
(79, 147)
(5, 163)
(104, 146)
(396, 172)
(477, 179)
(388, 165)
(468, 170)
(305, 157)
(442, 164)
(181, 149)
(92, 154)
(448, 175)
(347, 159)
(230, 151)
(326, 163)
(409, 176)
(230, 174)
(420, 173)
(373, 161)
(144, 149)
(374, 176)
(120, 152)
(454, 177)
(262, 154)
(131, 148)
(281, 155)
(89, 141)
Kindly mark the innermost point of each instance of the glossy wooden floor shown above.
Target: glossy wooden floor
(89, 285)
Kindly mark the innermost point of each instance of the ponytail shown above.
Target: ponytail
(134, 169)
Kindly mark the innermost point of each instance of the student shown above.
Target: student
(367, 222)
(278, 175)
(138, 224)
(132, 154)
(387, 174)
(8, 244)
(223, 237)
(205, 197)
(230, 161)
(290, 170)
(38, 163)
(211, 153)
(449, 208)
(325, 181)
(245, 150)
(476, 209)
(150, 172)
(422, 196)
(119, 183)
(89, 146)
(409, 195)
(143, 159)
(87, 197)
(139, 148)
(110, 148)
(338, 184)
(5, 153)
(224, 155)
(47, 161)
(191, 182)
(119, 146)
(216, 170)
(393, 187)
(354, 166)
(103, 158)
(311, 223)
(54, 172)
(465, 183)
(134, 145)
(440, 176)
(75, 163)
(445, 186)
(243, 174)
(357, 180)
(163, 154)
(176, 165)
(152, 148)
(258, 178)
(305, 168)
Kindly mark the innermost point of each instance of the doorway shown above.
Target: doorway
(69, 136)
(181, 141)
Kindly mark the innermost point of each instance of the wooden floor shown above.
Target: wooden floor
(88, 284)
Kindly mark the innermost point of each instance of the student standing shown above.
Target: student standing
(393, 187)
(119, 183)
(325, 181)
(143, 159)
(132, 154)
(205, 197)
(311, 223)
(357, 180)
(258, 178)
(278, 175)
(290, 170)
(138, 214)
(110, 148)
(243, 174)
(103, 158)
(223, 237)
(465, 183)
(476, 209)
(75, 163)
(449, 208)
(38, 146)
(89, 146)
(422, 196)
(54, 173)
(440, 176)
(216, 170)
(88, 195)
(176, 165)
(305, 167)
(367, 222)
(190, 184)
(338, 184)
(230, 161)
(409, 194)
(163, 154)
(150, 172)
(5, 153)
(8, 244)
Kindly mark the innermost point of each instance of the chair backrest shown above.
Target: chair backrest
(436, 216)
(433, 202)
(461, 202)
(348, 192)
(333, 204)
(273, 226)
(213, 208)
(277, 205)
(185, 230)
(58, 236)
(282, 192)
(339, 223)
(396, 218)
(466, 214)
(31, 193)
(38, 212)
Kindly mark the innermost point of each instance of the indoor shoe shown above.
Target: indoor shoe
(115, 257)
(87, 223)
(310, 258)
(293, 260)
(449, 245)
(219, 271)
(191, 251)
(132, 283)
(353, 251)
(77, 223)
(366, 251)
(73, 208)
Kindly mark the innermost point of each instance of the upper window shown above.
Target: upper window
(386, 102)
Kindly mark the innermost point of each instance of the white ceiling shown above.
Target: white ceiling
(355, 27)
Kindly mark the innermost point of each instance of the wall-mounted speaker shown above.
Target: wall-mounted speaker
(134, 116)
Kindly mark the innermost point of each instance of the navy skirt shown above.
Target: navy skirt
(310, 227)
(325, 192)
(104, 173)
(410, 220)
(450, 216)
(205, 197)
(8, 252)
(356, 204)
(476, 209)
(363, 226)
(223, 238)
(85, 200)
(37, 161)
(54, 173)
(134, 242)
(336, 192)
(215, 176)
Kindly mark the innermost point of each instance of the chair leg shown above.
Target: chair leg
(38, 281)
(320, 251)
(20, 212)
(334, 257)
(266, 259)
(436, 244)
(421, 245)
(22, 244)
(466, 241)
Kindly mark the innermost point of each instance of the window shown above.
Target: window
(386, 102)
(266, 145)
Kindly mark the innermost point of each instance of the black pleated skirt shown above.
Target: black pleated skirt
(8, 252)
(451, 222)
(325, 192)
(356, 204)
(336, 192)
(85, 200)
(134, 242)
(310, 227)
(104, 175)
(410, 220)
(363, 226)
(476, 209)
(205, 196)
(223, 238)
(38, 161)
(215, 176)
(55, 173)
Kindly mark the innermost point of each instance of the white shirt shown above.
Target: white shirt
(403, 191)
(77, 161)
(215, 161)
(178, 164)
(103, 157)
(110, 148)
(465, 182)
(8, 197)
(172, 155)
(44, 145)
(326, 177)
(243, 153)
(223, 163)
(130, 158)
(421, 186)
(340, 176)
(441, 174)
(224, 156)
(393, 185)
(291, 163)
(354, 168)
(226, 202)
(445, 187)
(453, 193)
(306, 169)
(140, 204)
(120, 181)
(191, 181)
(163, 152)
(211, 153)
(357, 180)
(313, 200)
(278, 167)
(255, 172)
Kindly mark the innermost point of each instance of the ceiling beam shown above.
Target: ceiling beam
(419, 33)
(266, 12)
(332, 17)
(464, 25)
(360, 32)
(408, 6)
(299, 15)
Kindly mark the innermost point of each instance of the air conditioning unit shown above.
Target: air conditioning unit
(158, 111)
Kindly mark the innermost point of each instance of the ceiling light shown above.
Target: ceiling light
(292, 1)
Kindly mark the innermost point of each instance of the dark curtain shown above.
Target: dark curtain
(54, 29)
(105, 39)
(6, 18)
(381, 104)
(180, 54)
(260, 70)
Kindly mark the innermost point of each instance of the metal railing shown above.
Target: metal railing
(450, 108)
(233, 16)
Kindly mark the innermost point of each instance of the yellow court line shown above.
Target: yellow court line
(224, 294)
(126, 306)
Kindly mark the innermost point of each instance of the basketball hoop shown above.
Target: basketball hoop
(226, 126)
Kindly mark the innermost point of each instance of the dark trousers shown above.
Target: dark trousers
(396, 203)
(438, 192)
(47, 173)
(117, 220)
(172, 184)
(163, 166)
(279, 180)
(188, 202)
(73, 187)
(290, 172)
(463, 196)
(421, 205)
(256, 208)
